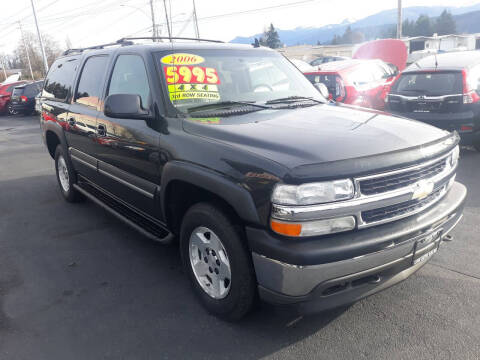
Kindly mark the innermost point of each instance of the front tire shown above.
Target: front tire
(66, 176)
(217, 262)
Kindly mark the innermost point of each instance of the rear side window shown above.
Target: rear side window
(130, 77)
(90, 86)
(430, 84)
(18, 91)
(60, 78)
(32, 90)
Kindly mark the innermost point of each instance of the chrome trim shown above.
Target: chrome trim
(83, 162)
(126, 183)
(360, 202)
(427, 98)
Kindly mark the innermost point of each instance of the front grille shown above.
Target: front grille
(386, 183)
(401, 209)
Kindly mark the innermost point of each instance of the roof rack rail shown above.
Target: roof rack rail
(96, 47)
(167, 38)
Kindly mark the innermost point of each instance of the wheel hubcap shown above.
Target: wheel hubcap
(210, 263)
(63, 174)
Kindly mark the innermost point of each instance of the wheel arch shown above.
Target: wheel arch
(54, 136)
(185, 184)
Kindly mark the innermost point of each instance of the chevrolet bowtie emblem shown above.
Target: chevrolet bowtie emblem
(422, 189)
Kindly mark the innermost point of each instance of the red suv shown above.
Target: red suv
(358, 82)
(5, 95)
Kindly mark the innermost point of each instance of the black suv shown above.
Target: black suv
(269, 189)
(444, 91)
(23, 97)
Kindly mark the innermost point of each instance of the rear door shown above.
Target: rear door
(82, 115)
(127, 149)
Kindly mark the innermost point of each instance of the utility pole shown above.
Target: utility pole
(4, 71)
(154, 26)
(26, 50)
(45, 64)
(168, 22)
(195, 20)
(399, 20)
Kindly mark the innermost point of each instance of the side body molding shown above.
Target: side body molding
(235, 195)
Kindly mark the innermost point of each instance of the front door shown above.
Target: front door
(82, 116)
(127, 151)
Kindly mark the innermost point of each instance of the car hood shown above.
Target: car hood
(392, 51)
(322, 134)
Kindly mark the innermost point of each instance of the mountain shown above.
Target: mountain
(467, 18)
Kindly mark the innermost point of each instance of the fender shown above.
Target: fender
(237, 197)
(53, 126)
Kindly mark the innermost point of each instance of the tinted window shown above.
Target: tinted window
(437, 83)
(33, 89)
(18, 91)
(130, 77)
(60, 78)
(91, 81)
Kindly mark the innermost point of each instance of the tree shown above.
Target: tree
(349, 37)
(445, 24)
(271, 38)
(423, 26)
(52, 51)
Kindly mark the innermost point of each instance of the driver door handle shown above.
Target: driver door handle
(101, 130)
(71, 121)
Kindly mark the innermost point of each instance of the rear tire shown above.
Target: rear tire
(66, 176)
(217, 262)
(476, 145)
(10, 110)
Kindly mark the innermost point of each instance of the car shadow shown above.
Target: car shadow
(82, 284)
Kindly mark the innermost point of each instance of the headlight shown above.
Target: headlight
(313, 193)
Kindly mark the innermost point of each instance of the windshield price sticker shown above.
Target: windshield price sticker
(193, 91)
(182, 59)
(186, 74)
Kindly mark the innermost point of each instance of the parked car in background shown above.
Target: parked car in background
(357, 82)
(38, 103)
(442, 90)
(5, 96)
(326, 59)
(23, 97)
(303, 66)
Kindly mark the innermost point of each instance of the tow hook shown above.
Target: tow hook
(448, 237)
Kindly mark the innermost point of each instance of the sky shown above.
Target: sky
(91, 22)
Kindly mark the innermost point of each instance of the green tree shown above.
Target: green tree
(445, 24)
(271, 38)
(424, 26)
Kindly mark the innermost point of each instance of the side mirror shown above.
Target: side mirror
(125, 106)
(322, 88)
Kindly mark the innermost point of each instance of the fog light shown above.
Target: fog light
(313, 228)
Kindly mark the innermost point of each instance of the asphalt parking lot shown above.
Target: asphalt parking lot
(76, 283)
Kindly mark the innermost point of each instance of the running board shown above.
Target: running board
(145, 226)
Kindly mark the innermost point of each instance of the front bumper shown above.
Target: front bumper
(336, 270)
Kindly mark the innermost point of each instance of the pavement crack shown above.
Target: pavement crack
(455, 271)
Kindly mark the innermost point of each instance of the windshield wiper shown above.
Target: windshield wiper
(226, 104)
(292, 99)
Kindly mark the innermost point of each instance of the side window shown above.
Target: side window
(60, 78)
(89, 89)
(129, 76)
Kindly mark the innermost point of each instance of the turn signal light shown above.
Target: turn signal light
(287, 229)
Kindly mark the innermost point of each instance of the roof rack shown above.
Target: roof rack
(167, 38)
(128, 41)
(96, 47)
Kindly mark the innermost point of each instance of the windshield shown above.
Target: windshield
(201, 77)
(429, 83)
